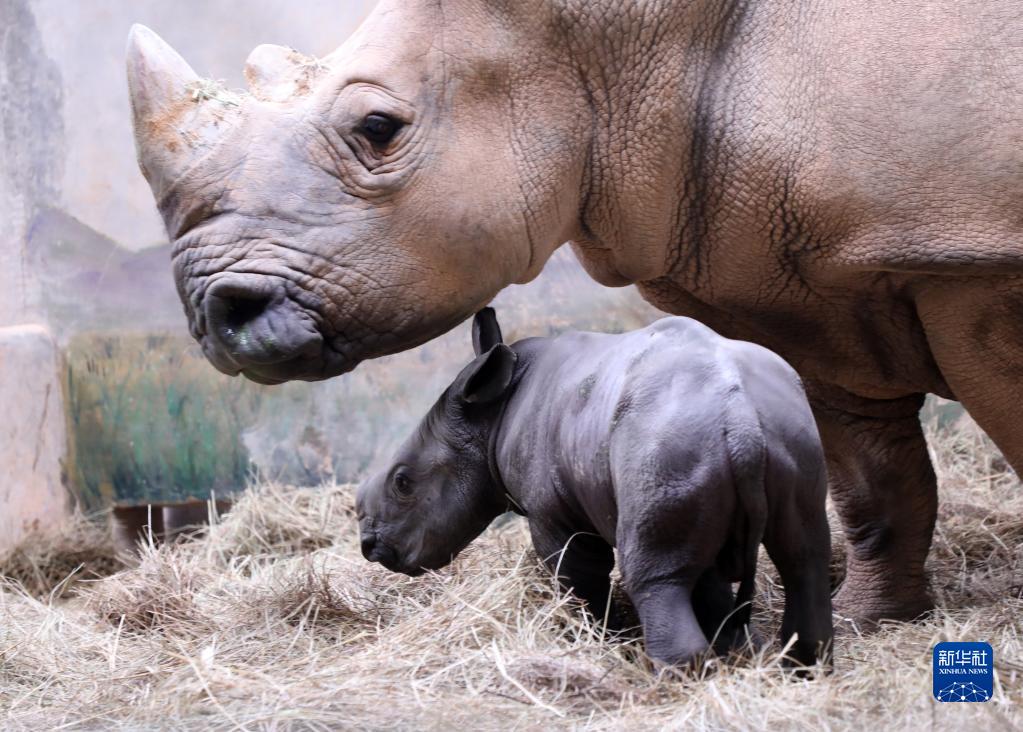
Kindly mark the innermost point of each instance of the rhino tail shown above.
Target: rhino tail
(747, 450)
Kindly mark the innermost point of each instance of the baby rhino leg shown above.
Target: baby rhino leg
(582, 562)
(798, 540)
(670, 628)
(714, 605)
(667, 554)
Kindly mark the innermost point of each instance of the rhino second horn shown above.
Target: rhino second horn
(278, 73)
(178, 116)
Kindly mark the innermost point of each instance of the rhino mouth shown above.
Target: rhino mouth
(250, 325)
(327, 365)
(324, 364)
(387, 557)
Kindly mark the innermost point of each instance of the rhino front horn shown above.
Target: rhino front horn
(178, 117)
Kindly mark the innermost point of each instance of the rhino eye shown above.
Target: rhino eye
(379, 128)
(403, 484)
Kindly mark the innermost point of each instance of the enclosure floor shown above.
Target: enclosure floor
(274, 621)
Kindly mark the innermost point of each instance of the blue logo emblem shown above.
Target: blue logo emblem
(963, 672)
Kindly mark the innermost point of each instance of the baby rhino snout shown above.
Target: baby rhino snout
(369, 542)
(373, 549)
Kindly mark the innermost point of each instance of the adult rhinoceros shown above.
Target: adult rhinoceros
(840, 181)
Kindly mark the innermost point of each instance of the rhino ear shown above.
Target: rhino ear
(277, 73)
(488, 376)
(486, 333)
(177, 116)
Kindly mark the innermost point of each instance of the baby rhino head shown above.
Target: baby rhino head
(438, 493)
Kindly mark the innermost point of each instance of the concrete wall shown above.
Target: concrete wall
(32, 437)
(66, 146)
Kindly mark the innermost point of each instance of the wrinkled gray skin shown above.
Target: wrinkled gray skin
(679, 447)
(837, 180)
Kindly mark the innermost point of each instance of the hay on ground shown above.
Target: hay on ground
(273, 620)
(52, 560)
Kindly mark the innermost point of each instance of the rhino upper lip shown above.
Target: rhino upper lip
(264, 380)
(221, 362)
(384, 555)
(328, 363)
(336, 356)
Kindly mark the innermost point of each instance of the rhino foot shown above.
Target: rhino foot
(861, 605)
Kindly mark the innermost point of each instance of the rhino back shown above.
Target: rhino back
(594, 406)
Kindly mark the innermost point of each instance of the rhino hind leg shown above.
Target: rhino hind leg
(798, 542)
(975, 332)
(714, 606)
(886, 493)
(662, 585)
(671, 630)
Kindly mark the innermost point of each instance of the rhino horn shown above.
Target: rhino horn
(178, 117)
(278, 73)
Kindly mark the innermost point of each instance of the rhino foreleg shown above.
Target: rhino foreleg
(582, 563)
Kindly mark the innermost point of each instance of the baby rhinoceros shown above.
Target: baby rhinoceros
(683, 449)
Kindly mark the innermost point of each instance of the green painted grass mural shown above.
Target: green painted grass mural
(151, 421)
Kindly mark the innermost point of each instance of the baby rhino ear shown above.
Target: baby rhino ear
(486, 333)
(487, 378)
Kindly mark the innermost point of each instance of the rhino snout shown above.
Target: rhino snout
(377, 551)
(254, 328)
(373, 549)
(369, 545)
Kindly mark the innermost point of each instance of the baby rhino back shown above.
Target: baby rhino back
(692, 401)
(715, 450)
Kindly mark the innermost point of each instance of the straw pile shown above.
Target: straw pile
(274, 621)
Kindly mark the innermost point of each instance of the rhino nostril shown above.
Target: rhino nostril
(240, 310)
(253, 324)
(369, 541)
(232, 305)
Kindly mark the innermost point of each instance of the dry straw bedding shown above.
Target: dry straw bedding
(274, 621)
